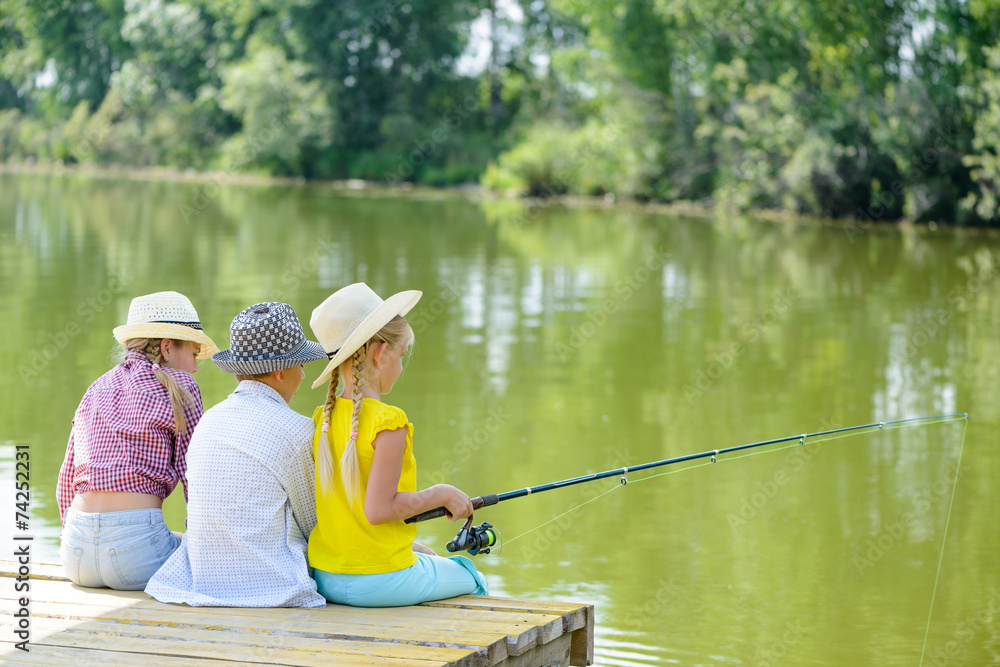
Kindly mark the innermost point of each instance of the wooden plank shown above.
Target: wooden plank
(578, 619)
(490, 629)
(492, 645)
(43, 628)
(10, 568)
(507, 604)
(151, 646)
(65, 592)
(317, 624)
(553, 654)
(409, 624)
(51, 590)
(520, 630)
(493, 602)
(229, 635)
(46, 571)
(582, 642)
(575, 616)
(57, 655)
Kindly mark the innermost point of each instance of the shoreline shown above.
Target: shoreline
(471, 193)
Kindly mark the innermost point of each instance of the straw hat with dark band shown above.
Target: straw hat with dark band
(165, 315)
(350, 317)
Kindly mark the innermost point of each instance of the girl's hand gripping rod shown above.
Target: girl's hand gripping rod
(474, 540)
(477, 503)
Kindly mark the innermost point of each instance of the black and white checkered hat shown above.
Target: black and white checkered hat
(266, 337)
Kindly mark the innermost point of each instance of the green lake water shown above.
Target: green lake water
(554, 342)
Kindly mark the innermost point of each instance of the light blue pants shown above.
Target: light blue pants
(119, 550)
(430, 578)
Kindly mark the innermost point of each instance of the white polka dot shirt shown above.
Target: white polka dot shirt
(251, 507)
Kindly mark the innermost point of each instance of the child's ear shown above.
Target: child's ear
(377, 352)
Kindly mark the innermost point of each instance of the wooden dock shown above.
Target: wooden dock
(70, 624)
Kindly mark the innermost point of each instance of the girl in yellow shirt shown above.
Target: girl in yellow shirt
(361, 551)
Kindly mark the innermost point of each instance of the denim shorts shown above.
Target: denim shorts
(119, 550)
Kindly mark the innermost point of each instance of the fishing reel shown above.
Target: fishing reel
(475, 539)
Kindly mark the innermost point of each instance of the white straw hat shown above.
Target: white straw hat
(165, 315)
(350, 317)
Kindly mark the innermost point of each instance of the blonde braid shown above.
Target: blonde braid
(325, 448)
(350, 472)
(179, 396)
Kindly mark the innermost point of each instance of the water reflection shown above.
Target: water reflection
(582, 340)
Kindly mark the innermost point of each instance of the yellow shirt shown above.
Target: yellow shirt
(343, 542)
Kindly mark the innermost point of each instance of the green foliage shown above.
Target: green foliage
(283, 110)
(756, 143)
(307, 88)
(82, 38)
(774, 152)
(383, 58)
(837, 109)
(185, 133)
(985, 200)
(848, 108)
(10, 122)
(503, 180)
(171, 43)
(595, 159)
(35, 139)
(540, 162)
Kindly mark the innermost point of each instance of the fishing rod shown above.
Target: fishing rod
(480, 538)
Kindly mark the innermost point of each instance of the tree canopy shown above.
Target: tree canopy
(860, 109)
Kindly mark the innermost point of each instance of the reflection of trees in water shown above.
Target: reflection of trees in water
(576, 329)
(586, 325)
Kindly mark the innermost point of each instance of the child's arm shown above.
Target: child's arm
(383, 500)
(64, 485)
(299, 483)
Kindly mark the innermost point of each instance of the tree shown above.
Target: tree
(82, 38)
(286, 119)
(985, 199)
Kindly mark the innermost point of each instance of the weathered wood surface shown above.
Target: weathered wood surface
(74, 625)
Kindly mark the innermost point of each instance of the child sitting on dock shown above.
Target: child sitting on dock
(251, 472)
(362, 552)
(126, 451)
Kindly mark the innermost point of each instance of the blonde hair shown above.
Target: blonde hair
(395, 333)
(179, 396)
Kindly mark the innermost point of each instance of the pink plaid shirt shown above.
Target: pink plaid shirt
(124, 437)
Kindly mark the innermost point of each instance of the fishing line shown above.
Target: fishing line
(833, 434)
(571, 509)
(482, 538)
(875, 428)
(601, 495)
(811, 441)
(646, 479)
(944, 540)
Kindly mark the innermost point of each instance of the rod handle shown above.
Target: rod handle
(477, 503)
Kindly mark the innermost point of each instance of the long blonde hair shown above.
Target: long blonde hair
(396, 333)
(179, 396)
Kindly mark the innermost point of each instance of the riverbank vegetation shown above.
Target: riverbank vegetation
(863, 109)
